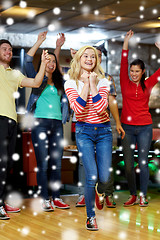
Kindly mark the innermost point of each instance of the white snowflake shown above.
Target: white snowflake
(56, 11)
(73, 159)
(23, 4)
(10, 21)
(15, 157)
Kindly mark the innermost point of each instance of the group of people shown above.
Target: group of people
(91, 95)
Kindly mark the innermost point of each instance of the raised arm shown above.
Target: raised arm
(40, 40)
(59, 43)
(36, 82)
(126, 39)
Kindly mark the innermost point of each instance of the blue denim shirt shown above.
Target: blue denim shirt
(36, 92)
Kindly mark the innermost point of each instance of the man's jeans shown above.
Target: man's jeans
(90, 139)
(142, 136)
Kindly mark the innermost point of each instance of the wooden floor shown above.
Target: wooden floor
(120, 223)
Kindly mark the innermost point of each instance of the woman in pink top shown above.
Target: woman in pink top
(136, 121)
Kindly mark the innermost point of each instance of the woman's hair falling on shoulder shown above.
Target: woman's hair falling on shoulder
(74, 71)
(57, 77)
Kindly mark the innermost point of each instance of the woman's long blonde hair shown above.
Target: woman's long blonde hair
(74, 71)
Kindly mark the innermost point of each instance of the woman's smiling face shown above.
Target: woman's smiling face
(136, 73)
(51, 65)
(88, 60)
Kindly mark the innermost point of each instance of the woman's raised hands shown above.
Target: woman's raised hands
(126, 39)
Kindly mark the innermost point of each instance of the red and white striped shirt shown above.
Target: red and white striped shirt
(94, 109)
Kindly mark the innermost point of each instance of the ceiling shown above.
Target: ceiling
(83, 22)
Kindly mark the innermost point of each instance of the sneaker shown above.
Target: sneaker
(11, 209)
(133, 200)
(91, 224)
(3, 214)
(58, 203)
(143, 201)
(81, 201)
(99, 198)
(52, 204)
(110, 203)
(46, 206)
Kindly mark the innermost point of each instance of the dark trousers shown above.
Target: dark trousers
(8, 133)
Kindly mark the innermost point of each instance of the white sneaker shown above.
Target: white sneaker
(46, 206)
(3, 214)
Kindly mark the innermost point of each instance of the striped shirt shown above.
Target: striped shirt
(93, 110)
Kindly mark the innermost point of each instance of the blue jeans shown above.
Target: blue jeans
(81, 177)
(48, 150)
(142, 136)
(88, 139)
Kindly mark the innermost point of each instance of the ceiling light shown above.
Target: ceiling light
(17, 11)
(141, 8)
(152, 25)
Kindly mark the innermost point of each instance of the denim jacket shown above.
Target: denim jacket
(36, 92)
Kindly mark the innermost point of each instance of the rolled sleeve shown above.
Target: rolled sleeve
(81, 101)
(96, 98)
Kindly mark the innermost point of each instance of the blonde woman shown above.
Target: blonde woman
(87, 91)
